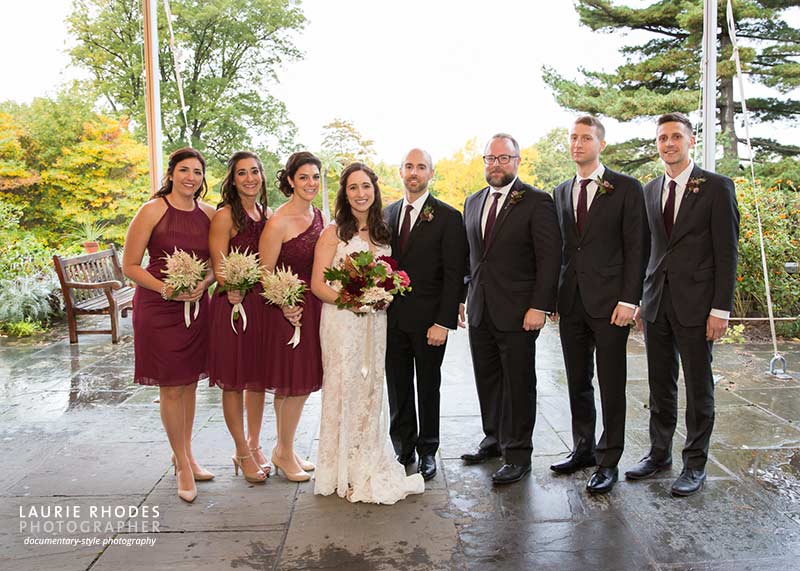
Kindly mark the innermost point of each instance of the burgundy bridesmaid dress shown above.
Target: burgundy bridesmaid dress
(167, 353)
(298, 371)
(237, 361)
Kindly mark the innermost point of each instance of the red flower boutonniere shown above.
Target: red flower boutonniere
(427, 214)
(515, 196)
(603, 186)
(693, 185)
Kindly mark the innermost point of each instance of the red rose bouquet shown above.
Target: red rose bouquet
(366, 283)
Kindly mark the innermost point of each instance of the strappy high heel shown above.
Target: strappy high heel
(301, 476)
(265, 466)
(252, 478)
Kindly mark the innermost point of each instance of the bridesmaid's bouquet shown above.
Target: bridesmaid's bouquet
(284, 288)
(366, 283)
(240, 272)
(183, 271)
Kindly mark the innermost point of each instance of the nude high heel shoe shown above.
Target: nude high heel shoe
(300, 476)
(265, 467)
(189, 495)
(201, 476)
(304, 464)
(258, 478)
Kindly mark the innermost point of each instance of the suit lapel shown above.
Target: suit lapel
(654, 200)
(687, 204)
(474, 225)
(429, 202)
(393, 217)
(503, 214)
(568, 207)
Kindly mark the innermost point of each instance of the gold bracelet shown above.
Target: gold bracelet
(164, 292)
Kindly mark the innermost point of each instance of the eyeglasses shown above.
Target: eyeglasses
(502, 159)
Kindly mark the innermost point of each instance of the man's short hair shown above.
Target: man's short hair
(675, 118)
(506, 136)
(592, 121)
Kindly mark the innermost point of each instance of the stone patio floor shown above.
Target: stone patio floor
(76, 434)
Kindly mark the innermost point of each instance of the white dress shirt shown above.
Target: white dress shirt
(500, 201)
(591, 189)
(415, 211)
(680, 190)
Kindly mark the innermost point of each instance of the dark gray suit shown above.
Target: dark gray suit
(688, 274)
(434, 259)
(516, 271)
(600, 267)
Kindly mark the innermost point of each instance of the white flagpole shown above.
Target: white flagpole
(709, 84)
(152, 96)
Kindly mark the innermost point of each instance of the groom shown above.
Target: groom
(429, 243)
(514, 261)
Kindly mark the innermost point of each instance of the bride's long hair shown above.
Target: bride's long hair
(346, 223)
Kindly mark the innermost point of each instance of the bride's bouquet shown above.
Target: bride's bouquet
(284, 288)
(183, 271)
(365, 283)
(240, 272)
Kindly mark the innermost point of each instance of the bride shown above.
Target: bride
(355, 457)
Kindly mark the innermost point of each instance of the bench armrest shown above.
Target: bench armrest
(113, 284)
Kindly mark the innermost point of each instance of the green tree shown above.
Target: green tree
(663, 73)
(228, 52)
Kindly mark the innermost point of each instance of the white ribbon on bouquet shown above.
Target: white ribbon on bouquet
(187, 311)
(238, 308)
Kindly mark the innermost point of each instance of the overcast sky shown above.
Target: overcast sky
(407, 73)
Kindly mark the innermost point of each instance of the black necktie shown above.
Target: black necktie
(405, 228)
(669, 209)
(487, 233)
(583, 211)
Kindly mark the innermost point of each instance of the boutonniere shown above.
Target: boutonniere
(427, 214)
(603, 186)
(693, 184)
(515, 196)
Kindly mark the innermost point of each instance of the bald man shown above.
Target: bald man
(429, 242)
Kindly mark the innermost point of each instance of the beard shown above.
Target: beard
(420, 189)
(499, 179)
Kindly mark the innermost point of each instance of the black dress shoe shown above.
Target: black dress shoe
(427, 466)
(689, 482)
(479, 457)
(647, 467)
(602, 480)
(407, 459)
(573, 463)
(510, 473)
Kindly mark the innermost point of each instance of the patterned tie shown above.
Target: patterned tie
(405, 228)
(583, 211)
(669, 209)
(487, 232)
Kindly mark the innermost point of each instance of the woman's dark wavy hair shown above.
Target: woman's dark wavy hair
(295, 161)
(174, 158)
(231, 197)
(346, 223)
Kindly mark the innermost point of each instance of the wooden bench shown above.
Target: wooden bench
(93, 284)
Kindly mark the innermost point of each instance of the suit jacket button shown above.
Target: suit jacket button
(579, 249)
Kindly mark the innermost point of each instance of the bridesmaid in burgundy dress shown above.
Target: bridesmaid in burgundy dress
(289, 240)
(236, 361)
(167, 353)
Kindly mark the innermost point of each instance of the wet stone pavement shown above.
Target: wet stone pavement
(79, 437)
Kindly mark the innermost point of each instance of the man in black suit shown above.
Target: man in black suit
(688, 294)
(604, 229)
(514, 258)
(429, 243)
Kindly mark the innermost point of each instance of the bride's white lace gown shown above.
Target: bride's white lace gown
(355, 457)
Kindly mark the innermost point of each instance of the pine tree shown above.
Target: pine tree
(663, 74)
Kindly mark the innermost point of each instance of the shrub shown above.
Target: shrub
(780, 217)
(22, 328)
(33, 298)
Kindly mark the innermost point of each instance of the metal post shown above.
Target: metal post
(152, 96)
(710, 84)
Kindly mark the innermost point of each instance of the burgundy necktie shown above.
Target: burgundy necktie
(583, 211)
(669, 209)
(405, 228)
(487, 232)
